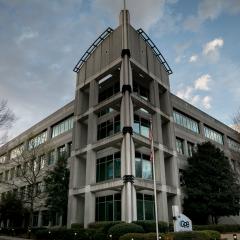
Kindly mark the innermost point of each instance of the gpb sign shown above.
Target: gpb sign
(181, 222)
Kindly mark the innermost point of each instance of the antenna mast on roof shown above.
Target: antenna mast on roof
(124, 4)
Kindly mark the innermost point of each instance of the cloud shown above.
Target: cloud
(193, 58)
(206, 101)
(211, 10)
(213, 46)
(202, 83)
(27, 35)
(185, 93)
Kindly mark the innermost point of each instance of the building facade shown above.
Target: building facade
(122, 86)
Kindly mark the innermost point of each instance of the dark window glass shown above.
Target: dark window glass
(141, 126)
(143, 166)
(145, 207)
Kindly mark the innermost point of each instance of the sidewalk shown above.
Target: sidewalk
(228, 236)
(11, 238)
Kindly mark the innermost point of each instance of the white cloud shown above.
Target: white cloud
(213, 46)
(193, 58)
(202, 83)
(185, 93)
(206, 101)
(26, 35)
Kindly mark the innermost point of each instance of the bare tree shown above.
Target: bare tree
(236, 121)
(25, 171)
(7, 117)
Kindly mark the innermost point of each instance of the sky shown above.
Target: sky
(42, 40)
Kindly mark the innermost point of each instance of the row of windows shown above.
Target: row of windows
(62, 127)
(108, 208)
(213, 135)
(141, 126)
(185, 121)
(3, 158)
(109, 127)
(36, 141)
(233, 145)
(109, 167)
(180, 147)
(46, 217)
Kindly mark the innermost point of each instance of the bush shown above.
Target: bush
(77, 226)
(194, 235)
(152, 236)
(222, 228)
(150, 226)
(135, 236)
(213, 235)
(122, 228)
(100, 235)
(63, 234)
(103, 224)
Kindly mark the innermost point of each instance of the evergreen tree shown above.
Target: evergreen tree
(56, 187)
(212, 188)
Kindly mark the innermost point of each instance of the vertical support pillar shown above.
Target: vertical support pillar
(40, 219)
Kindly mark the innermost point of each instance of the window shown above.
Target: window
(3, 158)
(45, 218)
(6, 175)
(35, 219)
(62, 151)
(213, 135)
(181, 180)
(22, 192)
(141, 126)
(36, 141)
(234, 145)
(109, 127)
(16, 151)
(190, 148)
(51, 157)
(185, 121)
(108, 208)
(1, 177)
(143, 166)
(108, 167)
(105, 111)
(145, 207)
(106, 92)
(233, 164)
(62, 127)
(42, 161)
(179, 145)
(143, 92)
(12, 170)
(70, 149)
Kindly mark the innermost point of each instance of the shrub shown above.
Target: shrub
(122, 228)
(135, 236)
(222, 228)
(103, 224)
(100, 235)
(152, 236)
(194, 235)
(76, 226)
(213, 235)
(150, 226)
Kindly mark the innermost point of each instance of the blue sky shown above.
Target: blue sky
(41, 41)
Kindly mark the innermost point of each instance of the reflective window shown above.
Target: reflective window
(62, 127)
(106, 92)
(36, 141)
(143, 92)
(234, 145)
(35, 219)
(213, 135)
(190, 148)
(141, 126)
(105, 111)
(45, 218)
(16, 151)
(3, 159)
(108, 128)
(42, 161)
(6, 175)
(108, 167)
(108, 208)
(143, 166)
(62, 151)
(12, 171)
(185, 121)
(1, 177)
(51, 157)
(145, 207)
(179, 145)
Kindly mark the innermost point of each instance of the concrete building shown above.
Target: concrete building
(122, 85)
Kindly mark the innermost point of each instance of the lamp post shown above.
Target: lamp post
(235, 236)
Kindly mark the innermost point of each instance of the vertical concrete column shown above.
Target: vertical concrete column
(40, 219)
(185, 147)
(201, 129)
(49, 133)
(89, 213)
(162, 206)
(126, 114)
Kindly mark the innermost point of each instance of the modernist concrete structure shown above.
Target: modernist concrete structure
(122, 85)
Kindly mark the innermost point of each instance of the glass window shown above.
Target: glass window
(45, 218)
(51, 157)
(143, 92)
(143, 166)
(106, 92)
(109, 127)
(108, 208)
(190, 147)
(36, 141)
(141, 126)
(42, 161)
(185, 121)
(16, 151)
(62, 127)
(6, 175)
(213, 135)
(145, 207)
(234, 145)
(12, 173)
(179, 145)
(3, 158)
(1, 177)
(108, 167)
(62, 151)
(35, 219)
